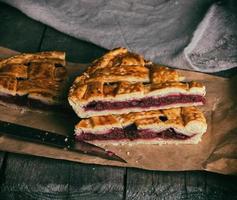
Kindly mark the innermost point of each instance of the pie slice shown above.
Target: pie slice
(122, 82)
(170, 126)
(33, 80)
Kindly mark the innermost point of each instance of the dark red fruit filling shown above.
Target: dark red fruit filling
(144, 102)
(25, 101)
(120, 134)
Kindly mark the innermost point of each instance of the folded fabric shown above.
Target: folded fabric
(198, 35)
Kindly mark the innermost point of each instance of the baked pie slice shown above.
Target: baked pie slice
(170, 126)
(33, 80)
(122, 82)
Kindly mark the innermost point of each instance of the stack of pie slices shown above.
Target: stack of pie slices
(124, 98)
(128, 100)
(33, 80)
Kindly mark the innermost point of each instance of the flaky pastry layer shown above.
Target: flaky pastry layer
(188, 121)
(121, 76)
(165, 92)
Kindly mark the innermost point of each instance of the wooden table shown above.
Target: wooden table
(30, 177)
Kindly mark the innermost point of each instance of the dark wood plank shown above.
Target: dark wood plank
(31, 177)
(221, 187)
(155, 185)
(2, 165)
(35, 178)
(92, 182)
(179, 185)
(195, 183)
(19, 32)
(77, 50)
(1, 158)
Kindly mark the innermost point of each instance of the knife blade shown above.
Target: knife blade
(55, 140)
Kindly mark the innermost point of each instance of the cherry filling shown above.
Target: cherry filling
(25, 101)
(131, 134)
(144, 102)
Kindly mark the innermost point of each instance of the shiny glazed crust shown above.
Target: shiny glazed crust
(121, 75)
(189, 121)
(40, 76)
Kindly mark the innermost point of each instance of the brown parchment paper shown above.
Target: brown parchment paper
(217, 152)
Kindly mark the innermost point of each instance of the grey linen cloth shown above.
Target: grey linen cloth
(200, 35)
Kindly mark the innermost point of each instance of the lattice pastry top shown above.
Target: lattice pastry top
(36, 76)
(121, 76)
(187, 120)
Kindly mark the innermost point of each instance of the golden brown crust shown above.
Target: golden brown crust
(94, 89)
(103, 121)
(118, 65)
(38, 75)
(51, 56)
(188, 121)
(130, 73)
(192, 113)
(37, 85)
(162, 74)
(130, 118)
(41, 70)
(127, 87)
(17, 70)
(120, 75)
(60, 73)
(178, 85)
(8, 85)
(116, 58)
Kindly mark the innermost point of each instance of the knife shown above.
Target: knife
(55, 140)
